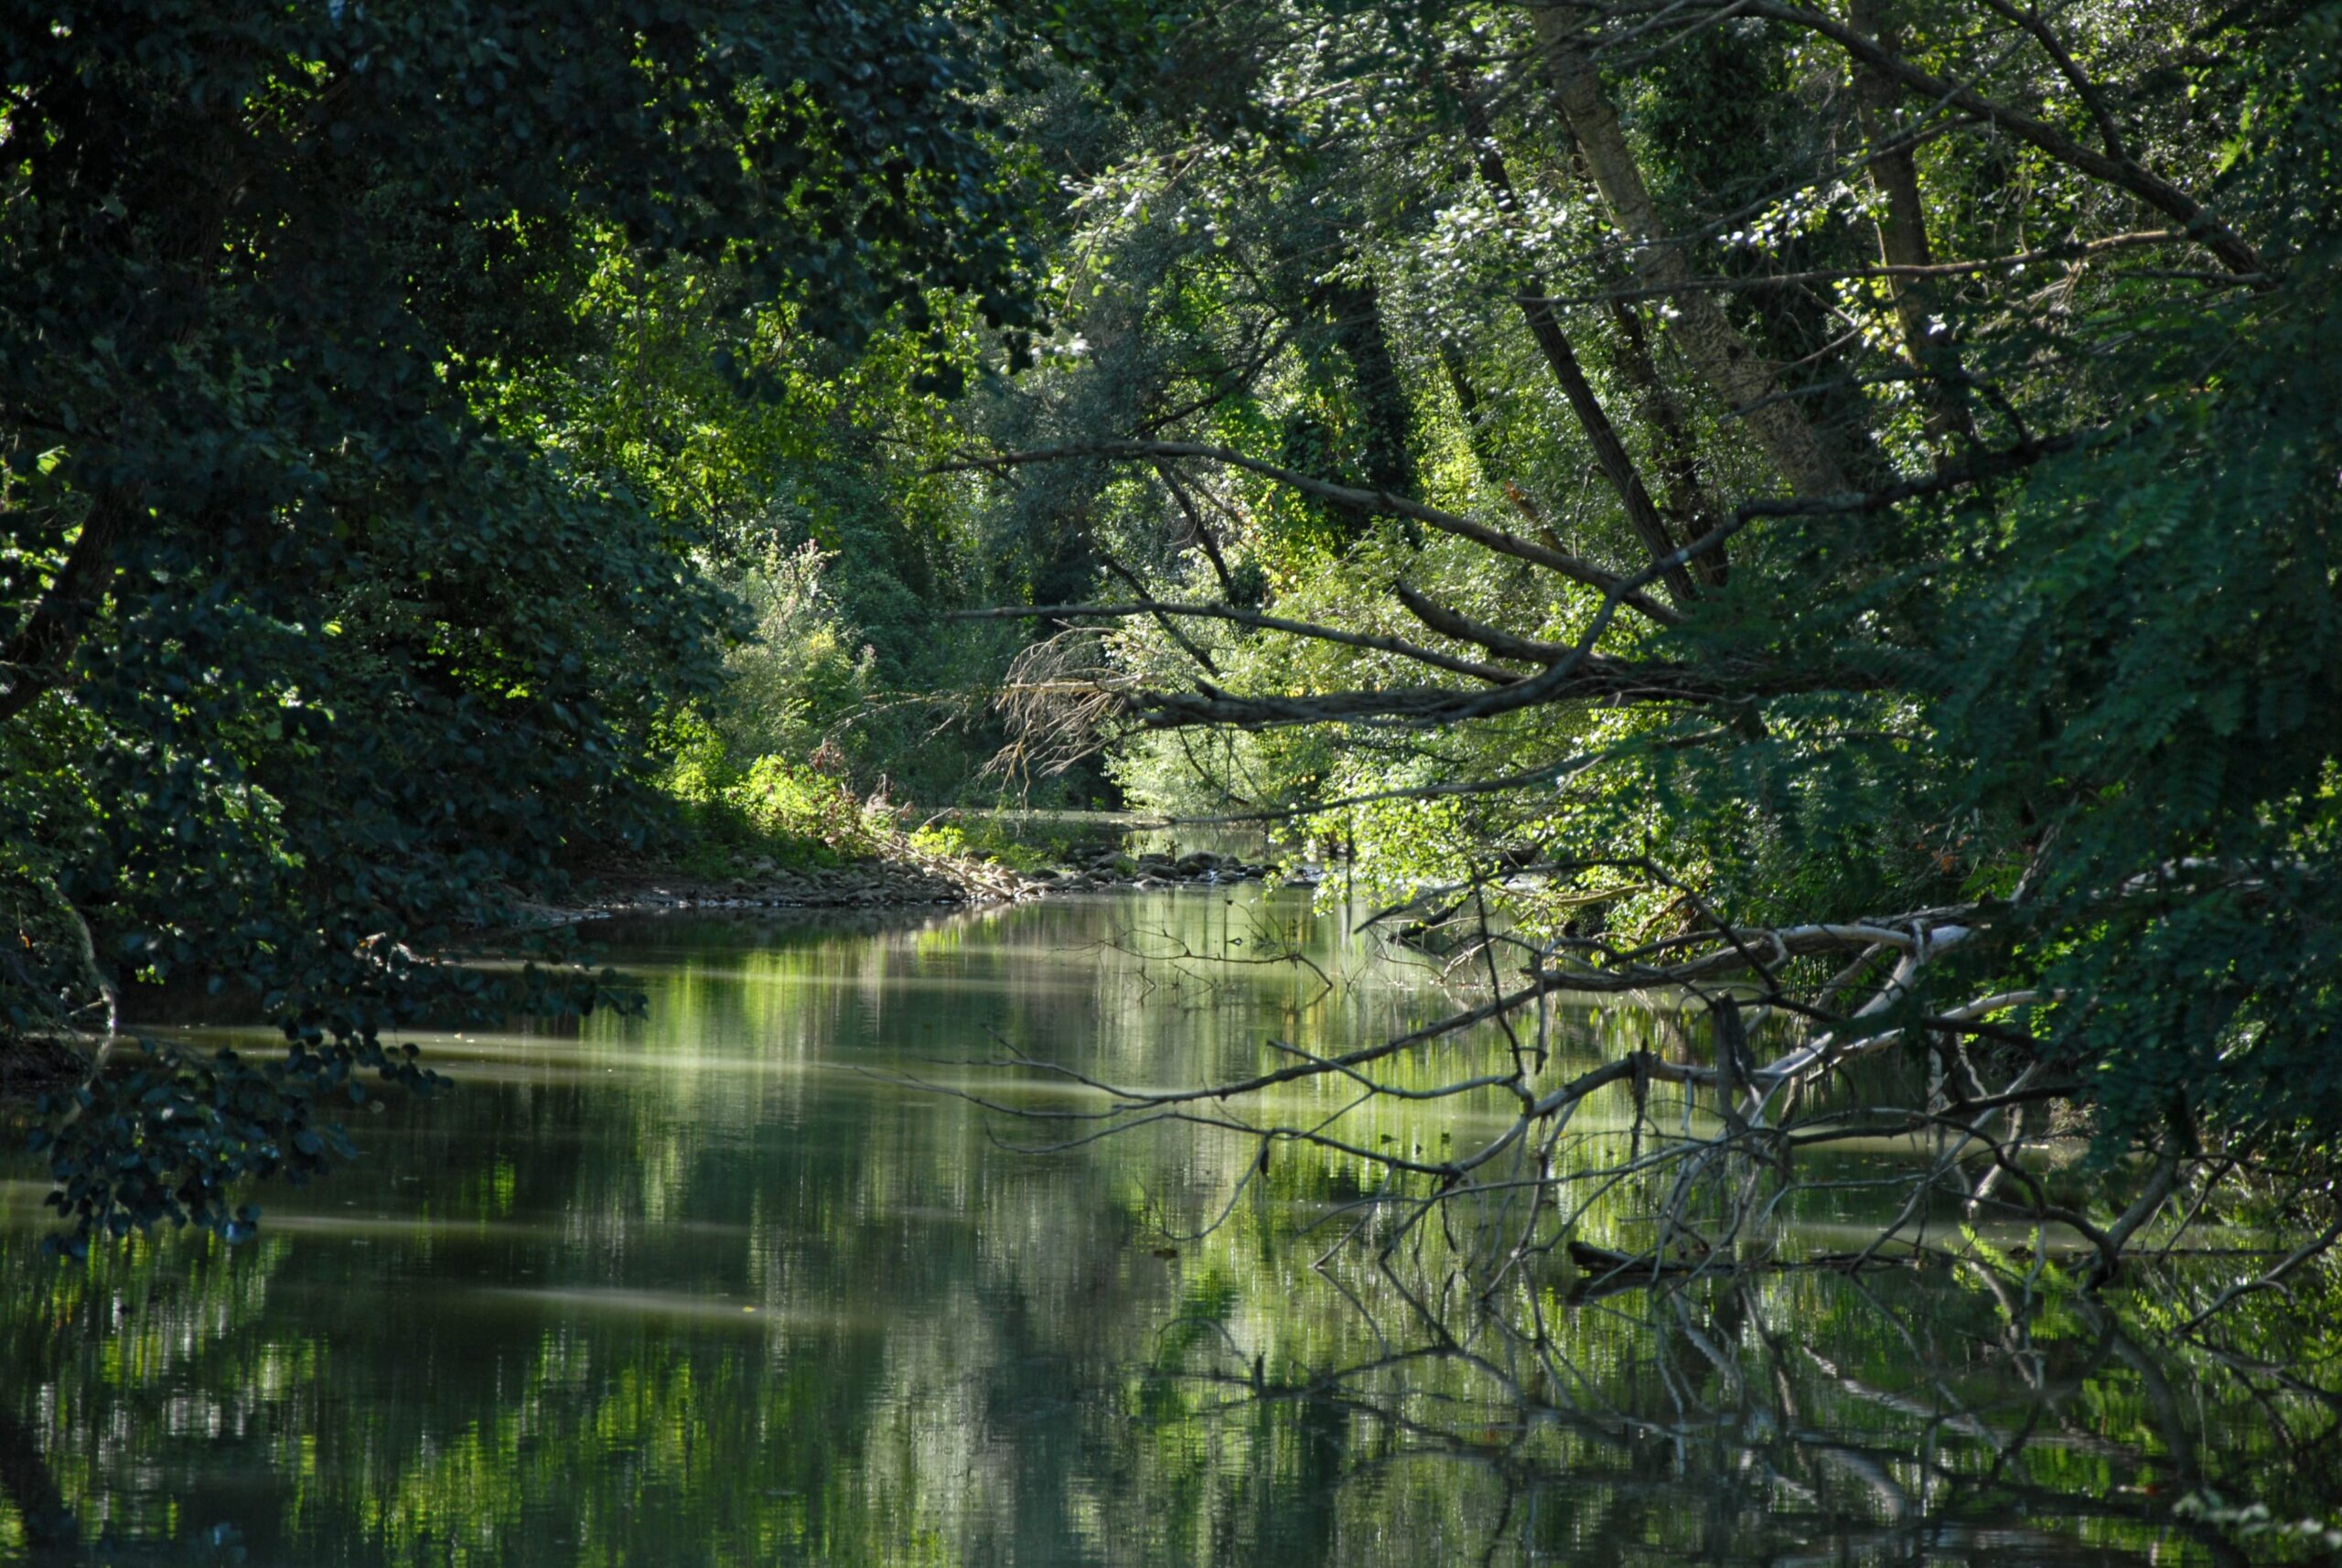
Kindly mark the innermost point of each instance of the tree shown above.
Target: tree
(320, 636)
(1993, 343)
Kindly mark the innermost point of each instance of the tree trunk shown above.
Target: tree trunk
(1688, 509)
(1903, 237)
(1388, 448)
(1618, 464)
(1748, 385)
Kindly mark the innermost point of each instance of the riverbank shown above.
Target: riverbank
(906, 875)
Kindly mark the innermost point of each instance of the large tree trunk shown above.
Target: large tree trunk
(1742, 377)
(1388, 448)
(1688, 509)
(1903, 236)
(1618, 464)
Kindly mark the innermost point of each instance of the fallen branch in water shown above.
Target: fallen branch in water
(1965, 1111)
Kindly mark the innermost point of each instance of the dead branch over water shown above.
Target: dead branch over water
(1855, 1051)
(1788, 1066)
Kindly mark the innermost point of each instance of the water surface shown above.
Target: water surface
(714, 1286)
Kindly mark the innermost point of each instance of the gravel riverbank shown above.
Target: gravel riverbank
(916, 879)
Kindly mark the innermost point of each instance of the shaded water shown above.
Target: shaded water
(712, 1287)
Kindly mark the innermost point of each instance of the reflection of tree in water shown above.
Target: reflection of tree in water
(43, 1518)
(1638, 1329)
(143, 1359)
(961, 1355)
(1894, 1416)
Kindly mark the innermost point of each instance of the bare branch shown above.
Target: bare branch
(1161, 607)
(1449, 623)
(2030, 20)
(1187, 645)
(2078, 250)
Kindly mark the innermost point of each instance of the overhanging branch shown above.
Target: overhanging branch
(1573, 567)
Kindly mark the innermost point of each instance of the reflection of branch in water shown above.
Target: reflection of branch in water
(1804, 1233)
(1825, 1066)
(1266, 947)
(1805, 1456)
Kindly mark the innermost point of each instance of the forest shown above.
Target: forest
(1826, 510)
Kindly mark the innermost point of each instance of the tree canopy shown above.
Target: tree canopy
(1833, 505)
(1742, 492)
(325, 630)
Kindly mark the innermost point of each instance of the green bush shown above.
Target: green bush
(1017, 841)
(788, 803)
(940, 838)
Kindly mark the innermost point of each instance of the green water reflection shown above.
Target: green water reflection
(711, 1288)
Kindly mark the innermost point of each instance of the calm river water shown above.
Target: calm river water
(713, 1287)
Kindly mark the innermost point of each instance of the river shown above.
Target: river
(720, 1285)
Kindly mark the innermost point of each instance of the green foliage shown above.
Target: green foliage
(790, 814)
(1017, 840)
(800, 680)
(940, 838)
(332, 620)
(783, 800)
(558, 452)
(2073, 666)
